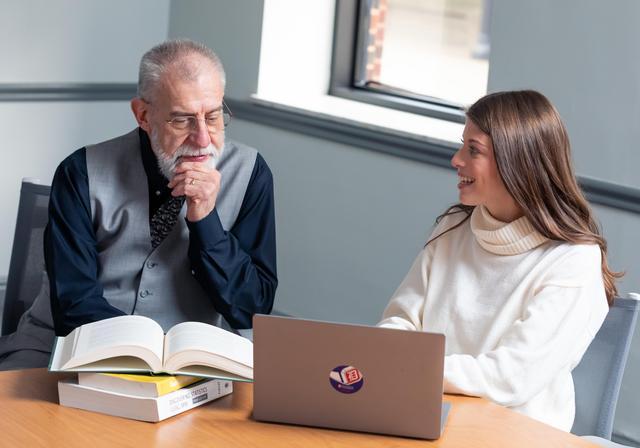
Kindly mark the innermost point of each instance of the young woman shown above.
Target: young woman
(516, 275)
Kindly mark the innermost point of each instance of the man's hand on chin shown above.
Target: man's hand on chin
(200, 184)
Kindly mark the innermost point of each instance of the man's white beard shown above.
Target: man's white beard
(168, 163)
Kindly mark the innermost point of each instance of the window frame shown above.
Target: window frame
(349, 25)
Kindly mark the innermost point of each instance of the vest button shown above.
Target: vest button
(145, 293)
(151, 264)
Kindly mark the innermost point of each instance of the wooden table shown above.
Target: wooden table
(31, 417)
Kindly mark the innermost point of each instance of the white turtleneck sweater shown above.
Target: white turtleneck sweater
(518, 311)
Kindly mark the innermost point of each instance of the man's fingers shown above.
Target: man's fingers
(194, 185)
(193, 166)
(178, 191)
(190, 175)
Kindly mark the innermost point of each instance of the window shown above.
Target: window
(423, 56)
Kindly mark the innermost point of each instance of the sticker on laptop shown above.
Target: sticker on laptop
(346, 379)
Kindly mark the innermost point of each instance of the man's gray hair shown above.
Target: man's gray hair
(155, 62)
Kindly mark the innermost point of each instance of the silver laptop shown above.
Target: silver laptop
(351, 377)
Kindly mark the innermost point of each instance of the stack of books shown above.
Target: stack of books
(150, 398)
(147, 374)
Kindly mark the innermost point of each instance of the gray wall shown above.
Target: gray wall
(232, 29)
(584, 55)
(350, 221)
(66, 41)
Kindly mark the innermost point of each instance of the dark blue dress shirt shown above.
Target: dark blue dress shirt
(237, 268)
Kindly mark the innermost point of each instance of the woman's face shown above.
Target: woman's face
(479, 182)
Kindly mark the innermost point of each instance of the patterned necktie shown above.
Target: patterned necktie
(164, 219)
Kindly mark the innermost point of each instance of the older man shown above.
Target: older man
(167, 221)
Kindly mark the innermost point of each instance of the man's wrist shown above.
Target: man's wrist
(208, 231)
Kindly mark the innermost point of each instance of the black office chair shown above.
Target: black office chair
(27, 257)
(598, 377)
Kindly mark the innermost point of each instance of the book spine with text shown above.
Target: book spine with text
(134, 407)
(192, 396)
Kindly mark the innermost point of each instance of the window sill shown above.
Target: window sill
(372, 127)
(370, 116)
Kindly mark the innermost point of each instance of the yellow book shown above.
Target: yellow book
(137, 385)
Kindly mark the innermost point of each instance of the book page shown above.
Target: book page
(119, 336)
(212, 372)
(62, 351)
(198, 336)
(117, 364)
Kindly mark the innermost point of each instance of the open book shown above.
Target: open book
(138, 344)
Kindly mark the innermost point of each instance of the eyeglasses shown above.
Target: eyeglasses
(212, 120)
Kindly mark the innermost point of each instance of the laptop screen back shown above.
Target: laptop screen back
(348, 376)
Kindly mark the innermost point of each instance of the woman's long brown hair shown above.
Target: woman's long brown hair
(533, 155)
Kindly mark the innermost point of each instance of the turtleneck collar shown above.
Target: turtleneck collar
(502, 238)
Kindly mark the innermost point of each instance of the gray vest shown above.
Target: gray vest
(136, 278)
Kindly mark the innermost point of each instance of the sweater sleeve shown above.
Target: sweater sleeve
(406, 306)
(555, 328)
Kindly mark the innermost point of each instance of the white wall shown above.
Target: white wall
(66, 41)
